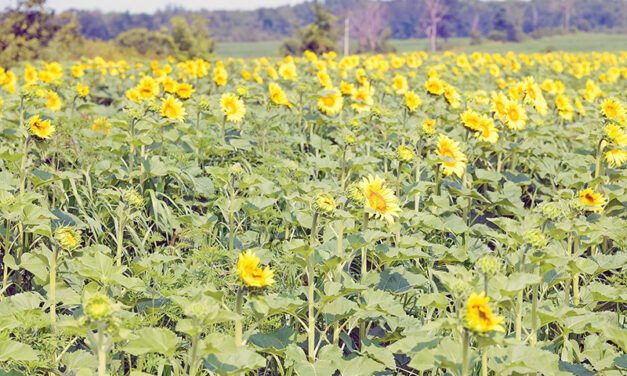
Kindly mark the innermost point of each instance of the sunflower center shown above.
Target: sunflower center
(377, 202)
(328, 101)
(513, 114)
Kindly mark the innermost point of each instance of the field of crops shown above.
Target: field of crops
(368, 215)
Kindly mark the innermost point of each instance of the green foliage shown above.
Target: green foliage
(318, 37)
(157, 43)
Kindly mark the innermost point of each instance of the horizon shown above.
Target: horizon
(146, 6)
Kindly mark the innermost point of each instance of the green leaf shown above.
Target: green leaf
(147, 340)
(16, 351)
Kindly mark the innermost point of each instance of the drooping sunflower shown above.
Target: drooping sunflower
(331, 103)
(172, 108)
(53, 102)
(479, 314)
(515, 116)
(612, 108)
(615, 157)
(250, 272)
(592, 200)
(42, 129)
(487, 131)
(379, 198)
(233, 107)
(405, 153)
(412, 100)
(447, 147)
(277, 95)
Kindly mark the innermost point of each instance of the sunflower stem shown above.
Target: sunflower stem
(465, 351)
(239, 301)
(437, 179)
(534, 314)
(311, 330)
(598, 164)
(576, 275)
(484, 362)
(364, 260)
(223, 129)
(53, 286)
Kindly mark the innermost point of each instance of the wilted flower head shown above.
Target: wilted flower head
(68, 238)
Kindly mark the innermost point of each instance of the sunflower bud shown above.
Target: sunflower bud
(135, 113)
(356, 194)
(324, 204)
(405, 154)
(241, 91)
(134, 199)
(535, 238)
(489, 265)
(236, 169)
(153, 106)
(551, 210)
(292, 165)
(459, 287)
(98, 307)
(68, 238)
(6, 198)
(349, 139)
(204, 103)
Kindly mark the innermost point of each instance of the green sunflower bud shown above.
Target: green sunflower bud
(356, 194)
(536, 238)
(551, 211)
(324, 203)
(489, 265)
(68, 238)
(99, 307)
(236, 169)
(405, 154)
(134, 199)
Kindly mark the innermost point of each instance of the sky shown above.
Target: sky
(149, 6)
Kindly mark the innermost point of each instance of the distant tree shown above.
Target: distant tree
(367, 23)
(568, 8)
(318, 37)
(435, 10)
(157, 43)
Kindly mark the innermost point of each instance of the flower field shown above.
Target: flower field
(405, 214)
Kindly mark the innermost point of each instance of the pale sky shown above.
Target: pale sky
(149, 6)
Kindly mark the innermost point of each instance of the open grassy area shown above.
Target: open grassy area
(571, 43)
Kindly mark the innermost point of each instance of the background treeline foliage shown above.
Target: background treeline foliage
(405, 18)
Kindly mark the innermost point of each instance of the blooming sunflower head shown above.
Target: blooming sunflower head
(611, 108)
(470, 119)
(515, 116)
(479, 315)
(428, 126)
(591, 200)
(53, 102)
(172, 108)
(232, 107)
(68, 238)
(447, 147)
(412, 100)
(82, 90)
(324, 204)
(184, 91)
(615, 157)
(42, 129)
(615, 135)
(250, 272)
(435, 86)
(331, 103)
(405, 153)
(487, 131)
(379, 198)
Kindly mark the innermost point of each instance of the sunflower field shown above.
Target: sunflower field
(414, 214)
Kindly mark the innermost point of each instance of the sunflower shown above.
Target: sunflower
(615, 157)
(412, 100)
(487, 131)
(363, 98)
(616, 135)
(324, 203)
(42, 129)
(52, 101)
(405, 153)
(594, 201)
(172, 108)
(479, 314)
(434, 86)
(250, 272)
(169, 84)
(148, 88)
(101, 123)
(379, 198)
(220, 76)
(184, 91)
(452, 96)
(447, 147)
(499, 104)
(428, 126)
(611, 108)
(233, 107)
(516, 116)
(277, 95)
(82, 90)
(399, 84)
(471, 119)
(331, 103)
(346, 88)
(68, 237)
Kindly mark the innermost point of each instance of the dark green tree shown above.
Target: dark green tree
(318, 37)
(192, 42)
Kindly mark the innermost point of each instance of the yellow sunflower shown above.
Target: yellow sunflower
(172, 108)
(435, 86)
(616, 135)
(324, 203)
(52, 101)
(428, 126)
(487, 131)
(612, 108)
(184, 91)
(379, 198)
(479, 314)
(399, 84)
(277, 95)
(42, 129)
(592, 200)
(233, 107)
(471, 119)
(515, 116)
(148, 88)
(82, 90)
(447, 147)
(363, 98)
(250, 272)
(412, 100)
(331, 103)
(615, 157)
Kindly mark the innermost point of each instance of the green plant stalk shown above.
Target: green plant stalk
(598, 162)
(437, 179)
(53, 286)
(465, 350)
(239, 302)
(7, 251)
(484, 362)
(131, 154)
(534, 316)
(417, 197)
(569, 247)
(519, 301)
(102, 350)
(231, 230)
(485, 283)
(364, 261)
(311, 330)
(120, 238)
(338, 277)
(23, 165)
(223, 129)
(343, 182)
(576, 294)
(193, 367)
